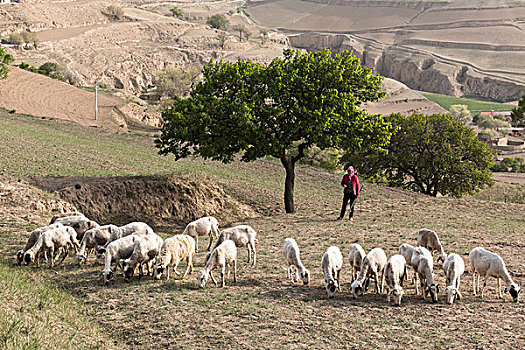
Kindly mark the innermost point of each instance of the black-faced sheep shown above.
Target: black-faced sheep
(293, 259)
(331, 263)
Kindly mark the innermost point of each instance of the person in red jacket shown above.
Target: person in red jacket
(351, 192)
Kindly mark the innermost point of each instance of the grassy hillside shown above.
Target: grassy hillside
(474, 106)
(264, 310)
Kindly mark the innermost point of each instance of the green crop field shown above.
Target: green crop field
(68, 306)
(474, 106)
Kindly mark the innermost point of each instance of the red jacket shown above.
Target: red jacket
(355, 184)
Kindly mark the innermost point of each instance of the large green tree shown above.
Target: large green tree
(295, 102)
(429, 154)
(5, 60)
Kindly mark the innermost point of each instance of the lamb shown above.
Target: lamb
(355, 258)
(122, 248)
(33, 237)
(292, 255)
(242, 236)
(485, 263)
(331, 263)
(174, 250)
(52, 241)
(225, 254)
(93, 238)
(423, 266)
(373, 264)
(206, 226)
(394, 273)
(429, 239)
(133, 228)
(63, 215)
(145, 250)
(454, 266)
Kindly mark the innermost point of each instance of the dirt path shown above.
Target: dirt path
(38, 95)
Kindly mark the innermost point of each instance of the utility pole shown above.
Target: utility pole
(96, 100)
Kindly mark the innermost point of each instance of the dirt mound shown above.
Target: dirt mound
(158, 201)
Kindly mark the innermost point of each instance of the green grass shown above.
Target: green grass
(474, 106)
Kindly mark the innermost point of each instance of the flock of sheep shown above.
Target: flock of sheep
(138, 247)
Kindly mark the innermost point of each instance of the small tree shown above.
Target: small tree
(5, 60)
(115, 12)
(177, 12)
(265, 34)
(518, 113)
(243, 31)
(174, 82)
(429, 154)
(489, 122)
(16, 38)
(295, 102)
(222, 38)
(461, 113)
(218, 21)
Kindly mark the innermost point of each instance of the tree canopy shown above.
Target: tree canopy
(429, 154)
(218, 21)
(295, 102)
(5, 60)
(518, 113)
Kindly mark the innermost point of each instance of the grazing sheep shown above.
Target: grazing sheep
(373, 265)
(33, 237)
(63, 215)
(133, 228)
(331, 263)
(92, 239)
(52, 241)
(406, 250)
(79, 222)
(225, 254)
(394, 273)
(292, 255)
(242, 236)
(355, 258)
(423, 266)
(144, 251)
(122, 248)
(429, 239)
(206, 226)
(454, 266)
(174, 250)
(487, 264)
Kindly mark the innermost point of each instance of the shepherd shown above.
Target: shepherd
(351, 192)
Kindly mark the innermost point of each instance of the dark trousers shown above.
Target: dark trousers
(348, 197)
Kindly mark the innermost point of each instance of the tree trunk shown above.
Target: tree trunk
(289, 166)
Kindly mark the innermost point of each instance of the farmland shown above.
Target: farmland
(263, 310)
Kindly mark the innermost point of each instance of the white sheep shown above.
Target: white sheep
(406, 250)
(293, 259)
(394, 273)
(242, 236)
(92, 239)
(225, 254)
(52, 241)
(487, 264)
(79, 222)
(145, 250)
(331, 263)
(33, 237)
(355, 258)
(63, 215)
(373, 265)
(429, 239)
(423, 265)
(206, 226)
(174, 250)
(133, 228)
(454, 267)
(122, 248)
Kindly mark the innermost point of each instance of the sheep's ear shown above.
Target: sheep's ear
(437, 288)
(506, 289)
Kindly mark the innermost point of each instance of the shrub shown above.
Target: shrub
(115, 12)
(218, 21)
